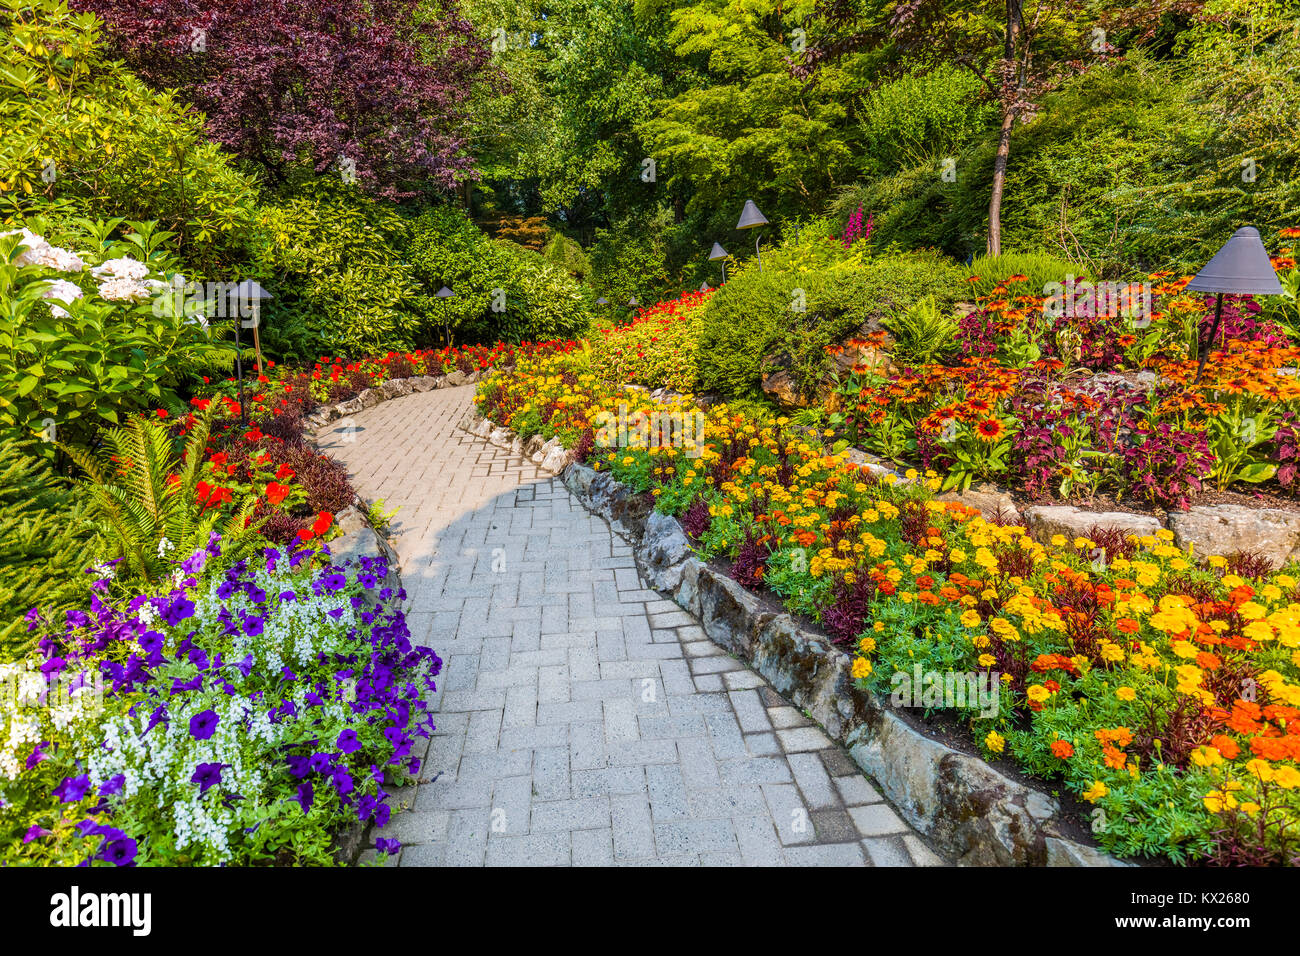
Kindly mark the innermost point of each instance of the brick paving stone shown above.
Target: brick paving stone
(581, 717)
(877, 819)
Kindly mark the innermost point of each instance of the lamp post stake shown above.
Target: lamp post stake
(1214, 329)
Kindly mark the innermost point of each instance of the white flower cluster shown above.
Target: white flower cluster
(41, 253)
(126, 280)
(33, 708)
(120, 280)
(62, 290)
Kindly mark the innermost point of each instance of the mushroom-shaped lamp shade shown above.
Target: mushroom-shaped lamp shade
(602, 301)
(705, 286)
(444, 293)
(634, 302)
(1240, 267)
(750, 217)
(717, 253)
(250, 292)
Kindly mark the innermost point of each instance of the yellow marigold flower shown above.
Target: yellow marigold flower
(995, 742)
(1216, 801)
(1112, 653)
(1258, 631)
(1058, 541)
(1038, 693)
(878, 626)
(987, 660)
(1252, 611)
(1206, 757)
(1126, 693)
(1261, 769)
(861, 668)
(1096, 791)
(867, 644)
(1288, 778)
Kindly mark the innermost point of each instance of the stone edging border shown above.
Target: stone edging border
(393, 388)
(968, 809)
(1204, 529)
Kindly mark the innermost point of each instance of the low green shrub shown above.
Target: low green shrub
(503, 292)
(810, 294)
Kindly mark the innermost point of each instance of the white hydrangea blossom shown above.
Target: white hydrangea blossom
(41, 253)
(123, 268)
(62, 290)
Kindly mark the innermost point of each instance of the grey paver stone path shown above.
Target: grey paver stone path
(583, 719)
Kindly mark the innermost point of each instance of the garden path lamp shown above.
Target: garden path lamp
(1241, 267)
(244, 306)
(602, 302)
(704, 287)
(445, 293)
(719, 254)
(751, 218)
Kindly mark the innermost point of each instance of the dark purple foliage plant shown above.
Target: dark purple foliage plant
(374, 90)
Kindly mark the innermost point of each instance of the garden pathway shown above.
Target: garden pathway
(583, 719)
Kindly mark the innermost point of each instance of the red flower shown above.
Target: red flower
(322, 523)
(276, 492)
(161, 413)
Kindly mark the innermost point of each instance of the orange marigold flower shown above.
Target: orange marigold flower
(1063, 749)
(1226, 746)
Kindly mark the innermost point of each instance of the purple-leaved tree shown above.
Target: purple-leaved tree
(371, 88)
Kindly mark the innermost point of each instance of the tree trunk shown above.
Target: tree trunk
(994, 245)
(1010, 98)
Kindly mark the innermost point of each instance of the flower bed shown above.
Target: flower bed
(1161, 689)
(658, 349)
(243, 718)
(1066, 406)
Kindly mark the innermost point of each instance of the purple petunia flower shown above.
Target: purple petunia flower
(159, 716)
(348, 741)
(385, 845)
(179, 610)
(119, 852)
(112, 786)
(305, 796)
(35, 832)
(38, 754)
(342, 781)
(207, 775)
(204, 725)
(72, 789)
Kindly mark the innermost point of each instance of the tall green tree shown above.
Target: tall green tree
(753, 123)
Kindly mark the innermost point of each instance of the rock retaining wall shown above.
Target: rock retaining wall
(972, 812)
